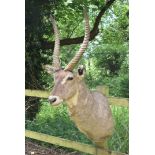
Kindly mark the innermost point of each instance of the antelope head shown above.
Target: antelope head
(65, 81)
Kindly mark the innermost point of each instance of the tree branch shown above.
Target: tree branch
(78, 40)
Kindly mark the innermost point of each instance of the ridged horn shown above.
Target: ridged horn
(84, 45)
(56, 62)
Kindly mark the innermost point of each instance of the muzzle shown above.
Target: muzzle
(55, 100)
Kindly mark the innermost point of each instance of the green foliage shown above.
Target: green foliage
(56, 122)
(108, 65)
(120, 139)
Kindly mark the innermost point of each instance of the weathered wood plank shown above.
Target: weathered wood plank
(45, 94)
(118, 101)
(103, 89)
(37, 93)
(68, 143)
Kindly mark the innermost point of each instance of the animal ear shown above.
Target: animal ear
(81, 70)
(48, 69)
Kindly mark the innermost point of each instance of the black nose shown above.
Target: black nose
(53, 99)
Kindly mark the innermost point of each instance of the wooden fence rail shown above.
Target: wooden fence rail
(45, 94)
(68, 143)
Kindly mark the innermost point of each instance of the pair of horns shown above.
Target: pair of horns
(78, 55)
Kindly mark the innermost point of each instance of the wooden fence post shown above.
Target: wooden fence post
(103, 89)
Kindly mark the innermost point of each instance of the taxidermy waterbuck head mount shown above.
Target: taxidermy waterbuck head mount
(65, 81)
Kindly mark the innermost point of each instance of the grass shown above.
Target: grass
(55, 121)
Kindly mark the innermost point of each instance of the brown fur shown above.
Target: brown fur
(88, 109)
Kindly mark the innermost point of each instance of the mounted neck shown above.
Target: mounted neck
(79, 100)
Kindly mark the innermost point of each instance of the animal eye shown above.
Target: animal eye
(70, 78)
